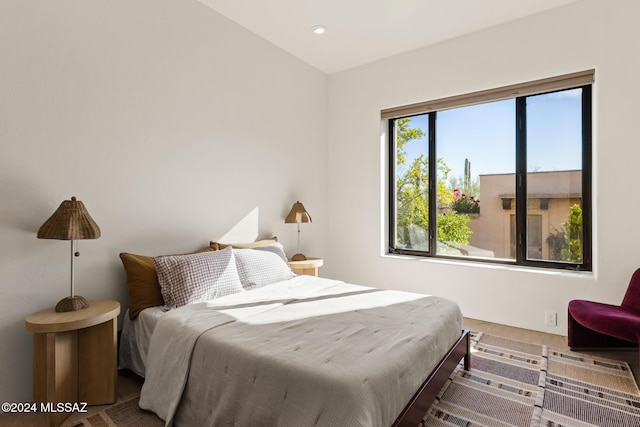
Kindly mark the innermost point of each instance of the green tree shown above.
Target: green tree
(412, 192)
(453, 228)
(573, 235)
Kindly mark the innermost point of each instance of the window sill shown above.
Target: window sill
(470, 263)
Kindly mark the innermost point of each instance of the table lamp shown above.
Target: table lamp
(70, 221)
(298, 214)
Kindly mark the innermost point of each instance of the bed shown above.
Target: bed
(297, 351)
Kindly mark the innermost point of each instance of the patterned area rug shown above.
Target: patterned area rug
(124, 414)
(513, 383)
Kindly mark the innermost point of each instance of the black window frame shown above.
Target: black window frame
(521, 187)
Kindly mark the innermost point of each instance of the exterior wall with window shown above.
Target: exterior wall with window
(586, 34)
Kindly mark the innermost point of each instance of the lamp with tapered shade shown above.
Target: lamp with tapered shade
(298, 215)
(70, 221)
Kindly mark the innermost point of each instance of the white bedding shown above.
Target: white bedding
(303, 352)
(134, 341)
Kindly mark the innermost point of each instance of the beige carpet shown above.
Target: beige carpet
(511, 383)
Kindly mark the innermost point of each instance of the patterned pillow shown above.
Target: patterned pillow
(261, 266)
(187, 279)
(142, 281)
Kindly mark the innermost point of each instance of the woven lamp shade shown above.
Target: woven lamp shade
(297, 214)
(70, 221)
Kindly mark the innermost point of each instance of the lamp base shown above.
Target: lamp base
(71, 304)
(298, 257)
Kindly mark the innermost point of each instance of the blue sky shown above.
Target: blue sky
(485, 134)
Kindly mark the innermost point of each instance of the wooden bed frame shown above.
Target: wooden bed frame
(412, 414)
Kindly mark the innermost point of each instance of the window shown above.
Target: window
(497, 176)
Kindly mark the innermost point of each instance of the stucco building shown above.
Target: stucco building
(550, 197)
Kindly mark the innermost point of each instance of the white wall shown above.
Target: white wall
(583, 35)
(172, 124)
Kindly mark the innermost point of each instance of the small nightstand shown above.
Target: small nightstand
(308, 266)
(75, 356)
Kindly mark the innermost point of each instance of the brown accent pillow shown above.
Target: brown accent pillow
(216, 246)
(142, 281)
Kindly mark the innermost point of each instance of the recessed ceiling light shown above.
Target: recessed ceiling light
(318, 29)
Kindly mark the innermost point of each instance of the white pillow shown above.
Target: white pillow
(262, 266)
(187, 279)
(276, 248)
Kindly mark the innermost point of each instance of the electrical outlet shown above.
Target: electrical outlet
(551, 318)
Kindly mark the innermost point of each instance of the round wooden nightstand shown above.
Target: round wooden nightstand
(308, 266)
(75, 356)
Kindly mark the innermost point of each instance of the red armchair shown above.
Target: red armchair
(597, 325)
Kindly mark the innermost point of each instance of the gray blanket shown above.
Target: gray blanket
(304, 352)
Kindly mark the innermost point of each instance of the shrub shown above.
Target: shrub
(464, 204)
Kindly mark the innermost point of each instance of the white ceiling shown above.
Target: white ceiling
(362, 31)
